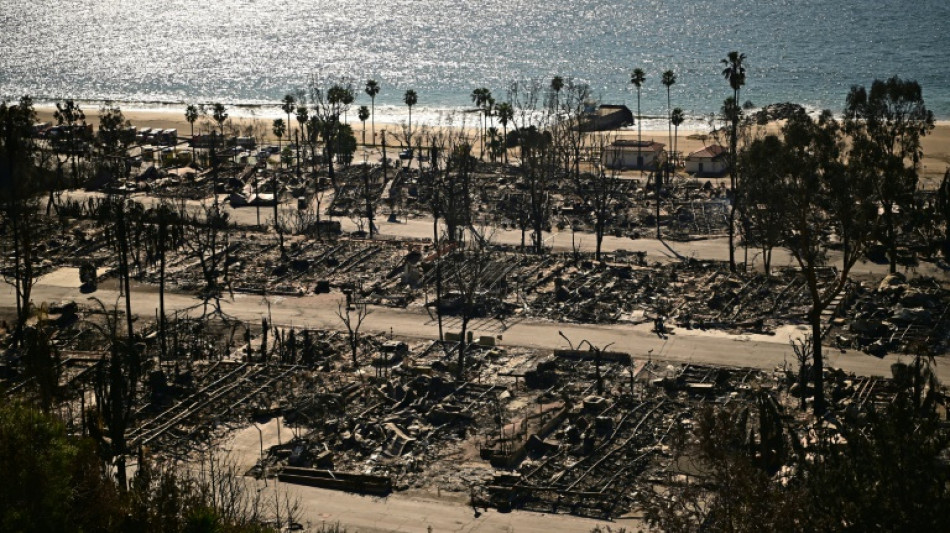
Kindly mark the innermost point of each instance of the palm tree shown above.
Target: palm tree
(279, 129)
(505, 114)
(669, 79)
(363, 114)
(220, 115)
(557, 83)
(410, 99)
(637, 78)
(487, 111)
(480, 97)
(676, 118)
(372, 89)
(348, 98)
(303, 115)
(191, 115)
(288, 105)
(734, 73)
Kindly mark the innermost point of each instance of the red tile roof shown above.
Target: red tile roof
(709, 152)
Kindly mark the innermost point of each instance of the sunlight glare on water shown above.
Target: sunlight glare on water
(250, 51)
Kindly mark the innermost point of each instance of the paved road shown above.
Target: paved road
(401, 513)
(319, 311)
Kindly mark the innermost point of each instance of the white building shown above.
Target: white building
(628, 154)
(711, 161)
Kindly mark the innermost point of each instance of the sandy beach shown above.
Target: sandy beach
(936, 145)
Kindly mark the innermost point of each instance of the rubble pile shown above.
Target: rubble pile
(184, 183)
(707, 297)
(689, 208)
(225, 391)
(694, 208)
(565, 287)
(311, 266)
(896, 315)
(400, 429)
(602, 449)
(62, 243)
(351, 196)
(694, 294)
(222, 376)
(402, 424)
(569, 431)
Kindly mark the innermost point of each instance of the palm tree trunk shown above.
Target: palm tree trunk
(290, 127)
(280, 233)
(669, 118)
(731, 233)
(481, 138)
(385, 158)
(639, 134)
(505, 126)
(280, 166)
(297, 142)
(676, 139)
(369, 203)
(733, 141)
(658, 181)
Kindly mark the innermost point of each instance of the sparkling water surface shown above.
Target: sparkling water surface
(152, 52)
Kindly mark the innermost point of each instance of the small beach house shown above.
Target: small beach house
(629, 154)
(711, 161)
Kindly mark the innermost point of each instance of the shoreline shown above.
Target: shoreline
(936, 145)
(271, 109)
(386, 114)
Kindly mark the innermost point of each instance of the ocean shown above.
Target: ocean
(164, 53)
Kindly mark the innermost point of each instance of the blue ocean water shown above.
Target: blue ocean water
(254, 51)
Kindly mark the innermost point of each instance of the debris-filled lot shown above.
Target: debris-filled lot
(565, 431)
(890, 315)
(896, 315)
(556, 431)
